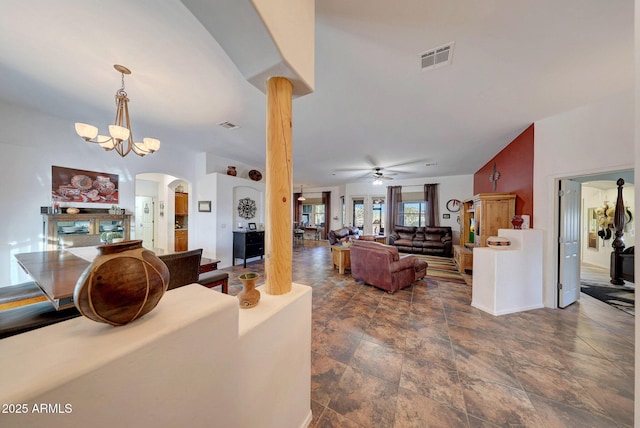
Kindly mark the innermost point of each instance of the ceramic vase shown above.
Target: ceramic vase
(249, 296)
(517, 221)
(231, 170)
(124, 282)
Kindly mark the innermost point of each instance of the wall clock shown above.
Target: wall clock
(247, 208)
(453, 205)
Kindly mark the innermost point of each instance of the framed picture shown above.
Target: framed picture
(79, 186)
(204, 206)
(446, 216)
(252, 226)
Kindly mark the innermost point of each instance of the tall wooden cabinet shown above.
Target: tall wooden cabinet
(482, 216)
(182, 221)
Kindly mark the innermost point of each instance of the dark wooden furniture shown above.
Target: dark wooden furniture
(617, 260)
(215, 278)
(56, 273)
(208, 265)
(184, 267)
(247, 244)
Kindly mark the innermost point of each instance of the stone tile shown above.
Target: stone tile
(378, 360)
(415, 410)
(498, 404)
(554, 414)
(433, 380)
(325, 376)
(365, 399)
(331, 419)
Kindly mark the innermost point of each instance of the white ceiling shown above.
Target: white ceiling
(514, 62)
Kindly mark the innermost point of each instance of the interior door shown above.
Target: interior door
(569, 243)
(144, 221)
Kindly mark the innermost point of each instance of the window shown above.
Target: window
(358, 213)
(313, 214)
(412, 213)
(378, 216)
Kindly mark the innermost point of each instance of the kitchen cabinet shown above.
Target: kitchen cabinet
(182, 204)
(181, 240)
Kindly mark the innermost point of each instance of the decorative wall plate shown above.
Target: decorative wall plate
(255, 175)
(247, 208)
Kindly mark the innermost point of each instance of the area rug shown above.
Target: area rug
(619, 297)
(441, 268)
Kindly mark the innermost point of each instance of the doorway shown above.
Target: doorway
(598, 196)
(145, 225)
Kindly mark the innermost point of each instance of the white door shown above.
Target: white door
(144, 221)
(569, 243)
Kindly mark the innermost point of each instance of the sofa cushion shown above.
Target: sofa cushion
(433, 237)
(432, 244)
(403, 242)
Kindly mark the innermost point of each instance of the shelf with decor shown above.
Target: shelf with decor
(84, 229)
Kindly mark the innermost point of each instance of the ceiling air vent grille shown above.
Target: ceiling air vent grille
(437, 57)
(228, 125)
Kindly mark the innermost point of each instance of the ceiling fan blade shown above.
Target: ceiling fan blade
(386, 178)
(371, 160)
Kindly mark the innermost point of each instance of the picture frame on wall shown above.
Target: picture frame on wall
(252, 226)
(78, 186)
(204, 206)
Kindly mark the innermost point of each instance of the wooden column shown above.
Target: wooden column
(279, 187)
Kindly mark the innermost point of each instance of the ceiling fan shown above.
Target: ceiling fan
(378, 176)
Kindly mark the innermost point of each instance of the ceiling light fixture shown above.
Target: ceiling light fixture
(377, 181)
(301, 197)
(121, 139)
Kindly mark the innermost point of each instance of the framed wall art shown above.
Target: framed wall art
(76, 185)
(204, 206)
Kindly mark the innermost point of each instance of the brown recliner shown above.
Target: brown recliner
(380, 265)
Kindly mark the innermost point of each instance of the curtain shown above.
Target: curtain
(297, 208)
(326, 200)
(394, 198)
(431, 216)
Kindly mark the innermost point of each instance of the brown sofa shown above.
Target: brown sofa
(337, 236)
(380, 265)
(431, 240)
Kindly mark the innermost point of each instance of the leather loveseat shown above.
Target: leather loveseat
(337, 236)
(381, 265)
(431, 240)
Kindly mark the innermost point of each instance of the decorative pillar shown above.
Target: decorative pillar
(279, 187)
(619, 222)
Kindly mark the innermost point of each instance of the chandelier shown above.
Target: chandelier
(121, 137)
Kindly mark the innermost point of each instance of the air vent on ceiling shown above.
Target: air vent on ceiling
(228, 125)
(437, 57)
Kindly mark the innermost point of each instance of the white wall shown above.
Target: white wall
(587, 140)
(25, 168)
(213, 231)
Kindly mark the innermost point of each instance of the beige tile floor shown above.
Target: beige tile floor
(424, 357)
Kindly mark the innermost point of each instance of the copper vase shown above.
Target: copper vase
(122, 284)
(249, 296)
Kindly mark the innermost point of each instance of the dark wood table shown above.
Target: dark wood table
(56, 273)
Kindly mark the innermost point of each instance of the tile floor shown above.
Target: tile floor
(424, 357)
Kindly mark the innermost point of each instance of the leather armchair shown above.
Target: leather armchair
(381, 266)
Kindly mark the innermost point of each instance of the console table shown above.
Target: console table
(247, 244)
(463, 257)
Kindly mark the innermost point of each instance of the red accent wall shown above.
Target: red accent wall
(515, 165)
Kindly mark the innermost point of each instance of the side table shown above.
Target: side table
(341, 257)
